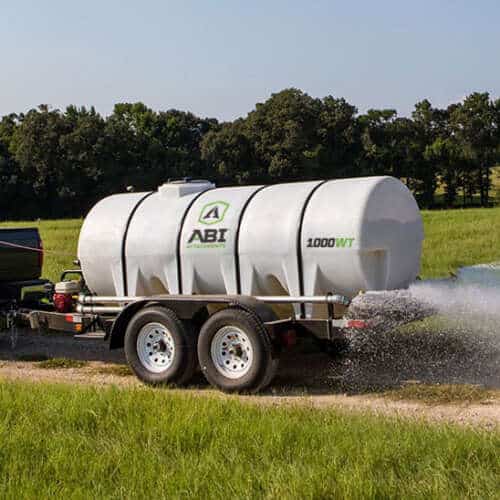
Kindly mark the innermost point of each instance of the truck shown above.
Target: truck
(193, 277)
(21, 261)
(25, 297)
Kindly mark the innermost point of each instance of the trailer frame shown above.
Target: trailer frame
(114, 315)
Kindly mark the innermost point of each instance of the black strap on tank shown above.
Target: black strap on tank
(124, 242)
(300, 261)
(237, 239)
(179, 238)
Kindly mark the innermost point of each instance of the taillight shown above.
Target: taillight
(357, 323)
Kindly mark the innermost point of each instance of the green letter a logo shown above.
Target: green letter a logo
(213, 212)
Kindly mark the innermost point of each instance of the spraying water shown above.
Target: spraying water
(474, 297)
(437, 331)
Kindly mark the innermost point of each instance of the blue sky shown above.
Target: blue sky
(218, 58)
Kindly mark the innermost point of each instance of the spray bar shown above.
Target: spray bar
(276, 299)
(95, 304)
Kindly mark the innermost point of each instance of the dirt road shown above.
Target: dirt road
(356, 381)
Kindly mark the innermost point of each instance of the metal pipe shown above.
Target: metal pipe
(269, 299)
(94, 299)
(92, 309)
(328, 299)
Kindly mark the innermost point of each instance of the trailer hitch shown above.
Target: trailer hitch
(12, 326)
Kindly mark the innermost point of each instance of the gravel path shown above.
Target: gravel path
(352, 382)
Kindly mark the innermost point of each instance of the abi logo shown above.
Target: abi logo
(208, 236)
(213, 212)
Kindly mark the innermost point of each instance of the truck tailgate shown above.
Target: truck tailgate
(18, 264)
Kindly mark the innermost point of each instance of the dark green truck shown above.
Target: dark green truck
(21, 260)
(26, 299)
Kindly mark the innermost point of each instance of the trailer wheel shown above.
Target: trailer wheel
(235, 351)
(160, 348)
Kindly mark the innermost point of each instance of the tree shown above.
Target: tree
(283, 133)
(16, 194)
(86, 160)
(231, 154)
(291, 136)
(152, 147)
(56, 163)
(376, 137)
(424, 173)
(475, 127)
(339, 138)
(37, 149)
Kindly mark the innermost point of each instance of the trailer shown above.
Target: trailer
(191, 276)
(235, 340)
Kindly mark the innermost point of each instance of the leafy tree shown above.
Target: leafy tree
(85, 158)
(15, 190)
(231, 155)
(339, 138)
(475, 128)
(283, 132)
(376, 138)
(37, 150)
(55, 163)
(424, 174)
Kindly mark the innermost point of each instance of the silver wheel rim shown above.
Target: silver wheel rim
(232, 352)
(155, 347)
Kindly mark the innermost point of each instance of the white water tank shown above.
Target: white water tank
(305, 238)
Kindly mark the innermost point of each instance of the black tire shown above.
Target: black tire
(184, 339)
(263, 366)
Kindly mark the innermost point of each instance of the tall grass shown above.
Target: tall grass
(61, 441)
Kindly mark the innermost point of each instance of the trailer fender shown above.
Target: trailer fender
(117, 333)
(194, 311)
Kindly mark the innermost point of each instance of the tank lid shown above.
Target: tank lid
(179, 188)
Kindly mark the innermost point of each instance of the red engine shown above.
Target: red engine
(64, 295)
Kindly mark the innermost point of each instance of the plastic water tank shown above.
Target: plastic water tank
(305, 238)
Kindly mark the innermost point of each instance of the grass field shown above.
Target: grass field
(455, 238)
(122, 443)
(74, 442)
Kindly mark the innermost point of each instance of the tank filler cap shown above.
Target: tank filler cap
(183, 187)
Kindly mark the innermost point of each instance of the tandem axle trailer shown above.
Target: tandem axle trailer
(235, 340)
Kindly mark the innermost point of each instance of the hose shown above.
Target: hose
(35, 249)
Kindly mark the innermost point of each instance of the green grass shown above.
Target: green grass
(61, 441)
(434, 394)
(52, 363)
(455, 238)
(117, 370)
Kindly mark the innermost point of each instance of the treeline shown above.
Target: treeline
(56, 164)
